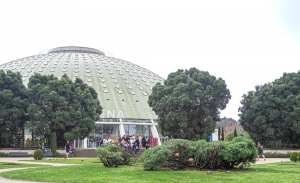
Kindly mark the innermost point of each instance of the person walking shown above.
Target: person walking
(67, 148)
(260, 151)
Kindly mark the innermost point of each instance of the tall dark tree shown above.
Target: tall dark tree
(189, 103)
(223, 135)
(14, 102)
(235, 132)
(53, 143)
(271, 113)
(61, 106)
(219, 133)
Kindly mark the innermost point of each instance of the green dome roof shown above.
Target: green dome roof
(123, 87)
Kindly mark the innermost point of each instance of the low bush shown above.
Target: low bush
(277, 155)
(2, 154)
(179, 154)
(181, 151)
(112, 156)
(38, 154)
(155, 157)
(57, 154)
(295, 157)
(241, 151)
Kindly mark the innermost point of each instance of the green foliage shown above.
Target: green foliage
(53, 143)
(229, 137)
(32, 143)
(61, 106)
(184, 148)
(155, 157)
(13, 108)
(277, 155)
(2, 154)
(219, 133)
(295, 156)
(271, 113)
(235, 132)
(206, 155)
(38, 154)
(112, 156)
(189, 103)
(57, 154)
(240, 151)
(222, 135)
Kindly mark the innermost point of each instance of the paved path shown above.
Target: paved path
(17, 160)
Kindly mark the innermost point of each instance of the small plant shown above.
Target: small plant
(295, 157)
(2, 154)
(57, 154)
(38, 154)
(277, 155)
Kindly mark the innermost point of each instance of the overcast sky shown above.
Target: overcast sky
(247, 43)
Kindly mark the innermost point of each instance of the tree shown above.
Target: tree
(235, 132)
(229, 137)
(53, 143)
(271, 113)
(189, 103)
(219, 133)
(61, 106)
(223, 135)
(13, 109)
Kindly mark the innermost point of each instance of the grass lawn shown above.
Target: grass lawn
(17, 165)
(68, 160)
(96, 172)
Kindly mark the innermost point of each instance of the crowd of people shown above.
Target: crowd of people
(128, 143)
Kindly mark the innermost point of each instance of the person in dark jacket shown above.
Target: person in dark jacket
(144, 141)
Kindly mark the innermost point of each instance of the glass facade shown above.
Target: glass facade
(143, 130)
(106, 130)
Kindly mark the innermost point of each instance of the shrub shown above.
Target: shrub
(2, 154)
(155, 157)
(240, 151)
(111, 155)
(38, 154)
(277, 155)
(230, 136)
(57, 154)
(295, 156)
(184, 148)
(206, 155)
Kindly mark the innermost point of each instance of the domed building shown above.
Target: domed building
(123, 87)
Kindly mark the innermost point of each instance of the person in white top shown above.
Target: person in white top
(109, 140)
(140, 139)
(104, 141)
(132, 140)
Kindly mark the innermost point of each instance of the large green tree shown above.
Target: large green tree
(67, 108)
(188, 104)
(271, 113)
(13, 100)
